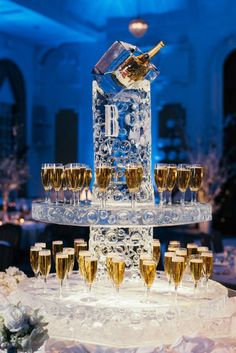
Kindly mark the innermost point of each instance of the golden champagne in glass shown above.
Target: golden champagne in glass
(172, 249)
(207, 258)
(182, 252)
(177, 271)
(168, 267)
(90, 271)
(134, 176)
(71, 259)
(103, 178)
(195, 182)
(183, 177)
(46, 179)
(196, 268)
(81, 261)
(57, 177)
(87, 181)
(61, 268)
(142, 258)
(171, 180)
(118, 272)
(44, 265)
(109, 258)
(174, 244)
(160, 175)
(34, 259)
(80, 247)
(149, 274)
(156, 251)
(57, 246)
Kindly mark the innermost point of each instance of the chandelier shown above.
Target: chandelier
(138, 27)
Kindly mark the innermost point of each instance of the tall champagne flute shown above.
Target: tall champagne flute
(207, 258)
(57, 176)
(78, 248)
(170, 181)
(142, 258)
(34, 259)
(103, 178)
(88, 178)
(149, 274)
(196, 268)
(81, 261)
(46, 178)
(156, 251)
(57, 246)
(61, 268)
(109, 258)
(172, 249)
(68, 179)
(71, 261)
(183, 177)
(91, 266)
(168, 266)
(182, 252)
(177, 271)
(64, 184)
(81, 179)
(192, 249)
(195, 182)
(118, 272)
(44, 266)
(160, 174)
(134, 176)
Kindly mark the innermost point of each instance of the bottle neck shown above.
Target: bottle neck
(152, 52)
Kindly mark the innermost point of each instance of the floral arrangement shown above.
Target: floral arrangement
(9, 280)
(22, 328)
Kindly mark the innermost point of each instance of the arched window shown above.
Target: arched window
(12, 110)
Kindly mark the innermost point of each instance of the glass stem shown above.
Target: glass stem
(44, 285)
(57, 197)
(132, 200)
(60, 293)
(176, 294)
(170, 198)
(148, 294)
(195, 289)
(169, 286)
(182, 199)
(161, 199)
(195, 197)
(104, 196)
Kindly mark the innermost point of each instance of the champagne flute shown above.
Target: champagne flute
(142, 258)
(182, 252)
(172, 249)
(160, 174)
(192, 249)
(156, 251)
(177, 271)
(207, 258)
(118, 272)
(167, 266)
(78, 248)
(57, 176)
(46, 178)
(44, 266)
(34, 260)
(196, 268)
(90, 270)
(170, 181)
(195, 182)
(183, 177)
(57, 246)
(81, 261)
(64, 184)
(134, 176)
(88, 178)
(103, 178)
(71, 261)
(109, 258)
(149, 274)
(61, 268)
(81, 179)
(68, 179)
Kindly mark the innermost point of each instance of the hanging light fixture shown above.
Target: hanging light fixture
(138, 27)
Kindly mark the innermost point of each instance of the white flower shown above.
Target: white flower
(16, 273)
(14, 318)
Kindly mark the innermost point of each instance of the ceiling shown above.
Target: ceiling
(59, 21)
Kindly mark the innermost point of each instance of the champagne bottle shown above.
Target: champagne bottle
(135, 68)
